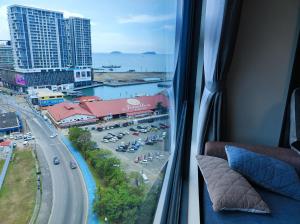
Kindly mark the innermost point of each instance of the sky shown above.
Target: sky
(131, 26)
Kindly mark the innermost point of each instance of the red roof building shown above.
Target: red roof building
(5, 143)
(138, 105)
(66, 114)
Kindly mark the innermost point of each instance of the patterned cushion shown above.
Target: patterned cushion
(268, 172)
(228, 190)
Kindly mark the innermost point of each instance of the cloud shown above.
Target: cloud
(168, 27)
(68, 14)
(4, 34)
(144, 18)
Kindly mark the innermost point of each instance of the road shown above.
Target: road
(70, 201)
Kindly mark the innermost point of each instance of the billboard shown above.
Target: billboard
(20, 80)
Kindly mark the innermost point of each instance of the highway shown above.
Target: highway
(70, 201)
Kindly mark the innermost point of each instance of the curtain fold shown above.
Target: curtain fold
(295, 121)
(221, 26)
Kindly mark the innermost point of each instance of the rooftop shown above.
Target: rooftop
(103, 108)
(64, 110)
(88, 98)
(47, 92)
(8, 120)
(123, 106)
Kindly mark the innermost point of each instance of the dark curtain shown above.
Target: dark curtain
(221, 26)
(294, 83)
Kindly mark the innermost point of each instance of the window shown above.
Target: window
(119, 56)
(136, 66)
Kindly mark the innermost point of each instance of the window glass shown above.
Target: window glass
(114, 63)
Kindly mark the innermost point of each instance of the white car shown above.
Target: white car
(53, 135)
(25, 143)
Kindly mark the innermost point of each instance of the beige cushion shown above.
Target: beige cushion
(229, 190)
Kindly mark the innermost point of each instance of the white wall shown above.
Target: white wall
(76, 118)
(261, 70)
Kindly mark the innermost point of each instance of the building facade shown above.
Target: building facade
(79, 48)
(6, 55)
(49, 49)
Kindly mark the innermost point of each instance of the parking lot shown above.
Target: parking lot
(142, 148)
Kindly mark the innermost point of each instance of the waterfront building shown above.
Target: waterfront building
(45, 97)
(106, 109)
(6, 54)
(48, 50)
(79, 52)
(69, 114)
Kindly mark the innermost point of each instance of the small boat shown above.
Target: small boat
(111, 66)
(73, 93)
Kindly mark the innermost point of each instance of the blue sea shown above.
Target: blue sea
(137, 62)
(109, 93)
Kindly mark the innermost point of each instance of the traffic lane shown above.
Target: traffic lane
(77, 187)
(81, 203)
(67, 184)
(59, 178)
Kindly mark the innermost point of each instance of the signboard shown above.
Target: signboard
(136, 105)
(20, 80)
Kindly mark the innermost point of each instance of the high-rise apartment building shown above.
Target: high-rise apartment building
(48, 49)
(78, 32)
(37, 37)
(6, 55)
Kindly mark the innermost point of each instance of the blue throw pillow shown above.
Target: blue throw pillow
(266, 171)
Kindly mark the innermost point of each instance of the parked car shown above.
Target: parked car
(99, 129)
(132, 129)
(136, 133)
(56, 160)
(104, 140)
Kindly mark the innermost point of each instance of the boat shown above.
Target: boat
(111, 66)
(73, 93)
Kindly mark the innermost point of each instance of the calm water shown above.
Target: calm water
(137, 62)
(107, 93)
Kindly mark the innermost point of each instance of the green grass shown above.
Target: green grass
(2, 161)
(17, 196)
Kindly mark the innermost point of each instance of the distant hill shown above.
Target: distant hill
(116, 52)
(149, 52)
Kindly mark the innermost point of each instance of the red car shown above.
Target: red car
(136, 133)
